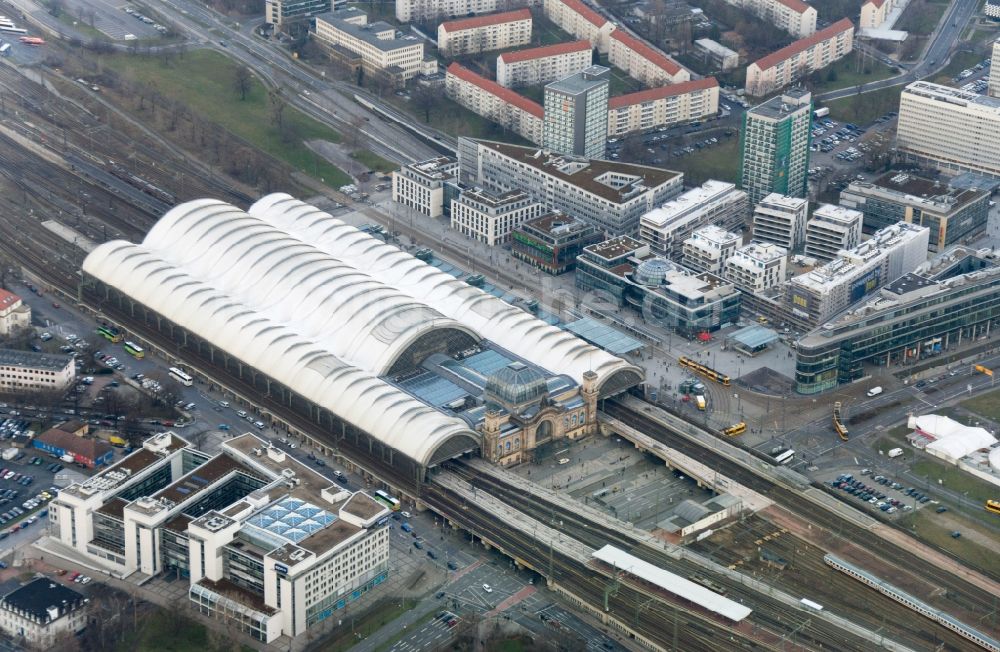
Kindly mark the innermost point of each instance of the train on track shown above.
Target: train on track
(138, 182)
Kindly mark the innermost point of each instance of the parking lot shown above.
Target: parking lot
(880, 492)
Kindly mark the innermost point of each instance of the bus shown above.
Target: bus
(181, 377)
(12, 30)
(707, 372)
(387, 500)
(134, 350)
(993, 506)
(806, 602)
(110, 334)
(735, 429)
(785, 458)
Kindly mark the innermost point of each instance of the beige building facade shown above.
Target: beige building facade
(542, 65)
(489, 99)
(874, 13)
(434, 10)
(792, 16)
(484, 33)
(375, 43)
(800, 59)
(581, 21)
(25, 371)
(663, 106)
(14, 313)
(490, 217)
(643, 63)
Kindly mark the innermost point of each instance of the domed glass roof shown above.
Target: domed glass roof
(516, 384)
(652, 271)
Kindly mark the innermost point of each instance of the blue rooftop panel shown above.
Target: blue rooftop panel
(605, 337)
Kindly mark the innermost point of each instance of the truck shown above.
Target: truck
(9, 453)
(700, 401)
(117, 441)
(821, 112)
(67, 458)
(874, 391)
(895, 452)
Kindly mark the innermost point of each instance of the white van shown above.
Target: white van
(224, 404)
(242, 414)
(259, 424)
(874, 391)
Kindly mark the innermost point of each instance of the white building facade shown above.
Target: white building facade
(831, 229)
(642, 62)
(376, 43)
(709, 248)
(581, 21)
(717, 203)
(24, 372)
(490, 217)
(781, 220)
(664, 106)
(421, 186)
(484, 33)
(800, 59)
(544, 64)
(757, 267)
(792, 16)
(42, 612)
(14, 313)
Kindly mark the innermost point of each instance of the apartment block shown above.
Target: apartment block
(781, 220)
(717, 203)
(438, 10)
(792, 16)
(800, 59)
(348, 32)
(965, 132)
(953, 215)
(489, 99)
(663, 106)
(831, 229)
(757, 267)
(14, 313)
(542, 65)
(774, 146)
(610, 195)
(280, 12)
(264, 543)
(717, 55)
(553, 241)
(489, 217)
(994, 83)
(874, 13)
(820, 294)
(709, 247)
(643, 63)
(581, 21)
(484, 33)
(576, 113)
(25, 371)
(423, 186)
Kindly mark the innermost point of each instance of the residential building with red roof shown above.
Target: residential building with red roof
(581, 21)
(800, 59)
(542, 65)
(644, 63)
(14, 313)
(874, 13)
(489, 99)
(436, 10)
(663, 106)
(792, 16)
(484, 33)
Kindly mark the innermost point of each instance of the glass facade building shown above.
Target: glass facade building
(774, 146)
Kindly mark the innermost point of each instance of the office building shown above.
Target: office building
(994, 83)
(792, 16)
(264, 542)
(781, 220)
(663, 106)
(581, 21)
(484, 33)
(831, 229)
(757, 267)
(642, 62)
(576, 113)
(953, 215)
(610, 195)
(424, 186)
(800, 59)
(23, 372)
(489, 217)
(43, 612)
(626, 274)
(708, 249)
(544, 64)
(718, 203)
(438, 10)
(874, 13)
(489, 99)
(282, 12)
(553, 241)
(774, 146)
(950, 300)
(718, 56)
(348, 34)
(818, 295)
(14, 313)
(965, 133)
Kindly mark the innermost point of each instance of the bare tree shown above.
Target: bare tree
(425, 99)
(242, 80)
(278, 105)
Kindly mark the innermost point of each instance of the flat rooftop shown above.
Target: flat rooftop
(363, 506)
(239, 594)
(368, 33)
(311, 484)
(32, 360)
(614, 248)
(782, 106)
(933, 195)
(329, 537)
(202, 477)
(690, 204)
(588, 174)
(582, 81)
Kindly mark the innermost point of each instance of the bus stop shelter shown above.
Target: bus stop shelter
(751, 340)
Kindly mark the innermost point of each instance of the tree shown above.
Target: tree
(278, 105)
(424, 100)
(595, 56)
(242, 80)
(831, 75)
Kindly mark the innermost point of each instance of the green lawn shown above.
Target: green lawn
(849, 71)
(921, 16)
(453, 118)
(620, 82)
(987, 405)
(373, 161)
(159, 633)
(545, 32)
(959, 61)
(865, 108)
(204, 81)
(928, 529)
(719, 162)
(953, 477)
(378, 616)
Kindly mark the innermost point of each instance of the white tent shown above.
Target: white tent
(952, 440)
